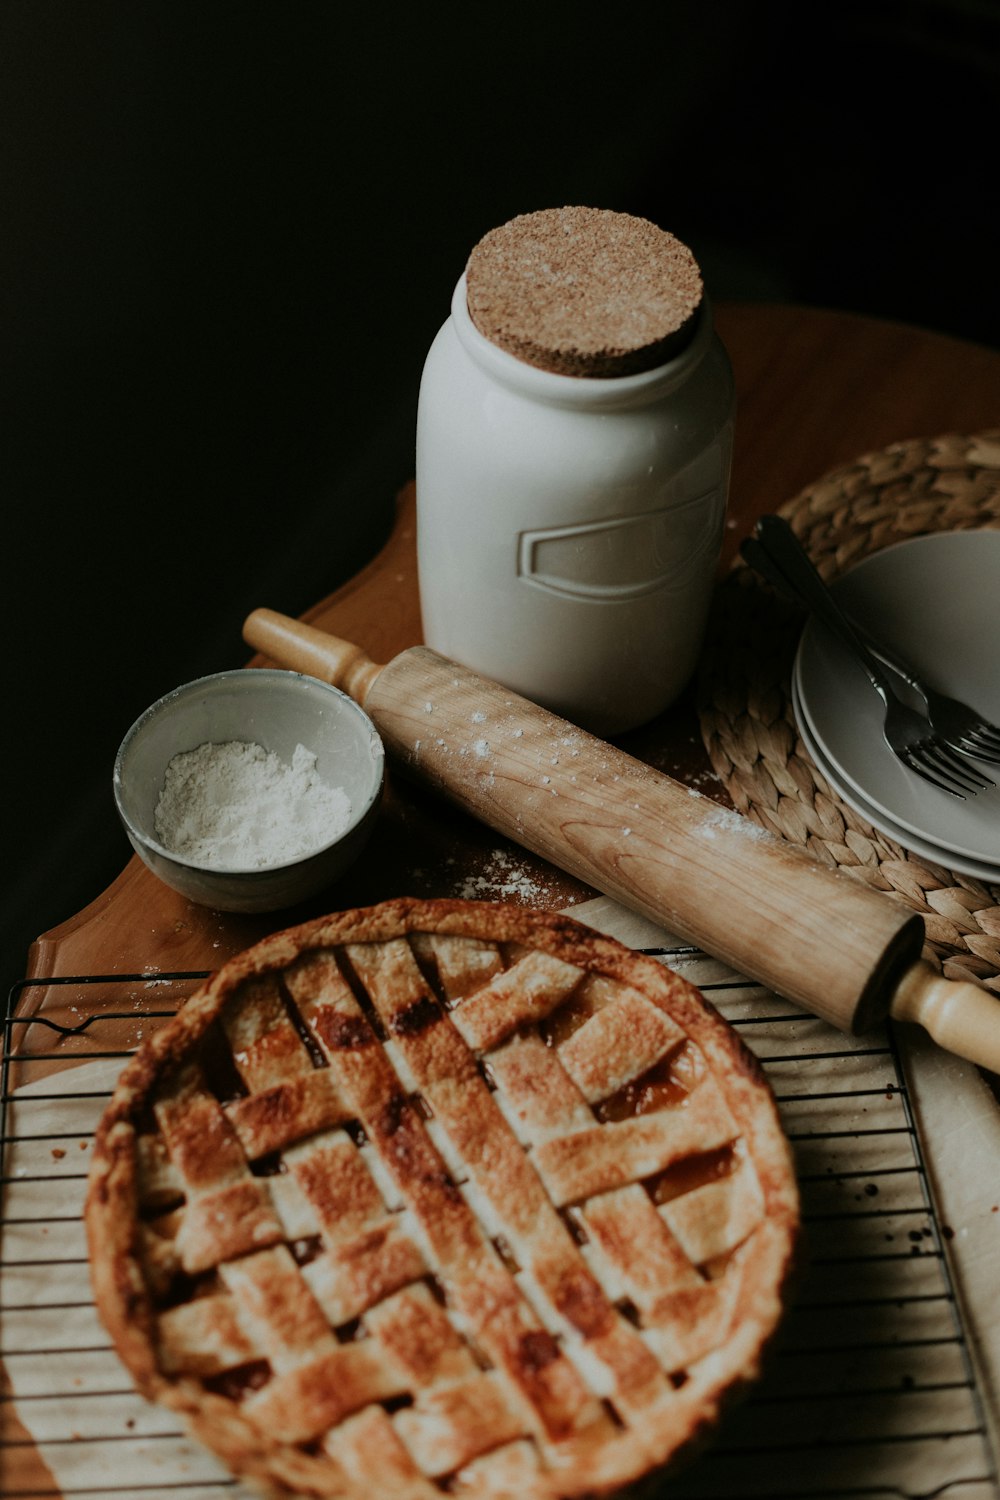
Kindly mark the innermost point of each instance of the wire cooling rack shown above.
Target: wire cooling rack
(870, 1391)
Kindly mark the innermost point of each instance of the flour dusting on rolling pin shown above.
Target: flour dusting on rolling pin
(574, 433)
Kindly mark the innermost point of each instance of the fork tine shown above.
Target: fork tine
(959, 764)
(983, 736)
(945, 761)
(980, 750)
(934, 778)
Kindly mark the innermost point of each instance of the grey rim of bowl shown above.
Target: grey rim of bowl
(278, 673)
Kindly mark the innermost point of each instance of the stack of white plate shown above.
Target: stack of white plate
(934, 601)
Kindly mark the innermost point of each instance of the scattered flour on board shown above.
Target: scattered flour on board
(503, 878)
(237, 806)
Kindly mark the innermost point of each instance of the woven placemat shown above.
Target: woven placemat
(913, 488)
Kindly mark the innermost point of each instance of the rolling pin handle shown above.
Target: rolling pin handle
(303, 648)
(961, 1017)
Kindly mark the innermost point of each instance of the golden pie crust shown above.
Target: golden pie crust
(442, 1197)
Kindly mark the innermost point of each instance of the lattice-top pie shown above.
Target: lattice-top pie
(442, 1197)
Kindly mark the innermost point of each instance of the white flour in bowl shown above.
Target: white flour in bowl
(236, 806)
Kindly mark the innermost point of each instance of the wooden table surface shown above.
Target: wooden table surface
(815, 389)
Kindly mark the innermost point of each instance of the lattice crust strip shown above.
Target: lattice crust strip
(442, 1196)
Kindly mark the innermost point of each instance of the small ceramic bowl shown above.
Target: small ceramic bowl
(277, 710)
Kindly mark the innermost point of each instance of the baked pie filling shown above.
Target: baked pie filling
(442, 1197)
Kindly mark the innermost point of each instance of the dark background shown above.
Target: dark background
(230, 231)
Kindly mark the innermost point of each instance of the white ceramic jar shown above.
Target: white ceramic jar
(568, 528)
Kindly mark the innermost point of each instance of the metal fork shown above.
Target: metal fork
(957, 723)
(777, 554)
(954, 721)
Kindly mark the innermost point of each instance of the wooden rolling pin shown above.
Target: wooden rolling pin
(809, 932)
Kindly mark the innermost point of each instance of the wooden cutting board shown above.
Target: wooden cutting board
(814, 390)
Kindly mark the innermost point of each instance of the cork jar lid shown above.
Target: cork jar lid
(584, 291)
